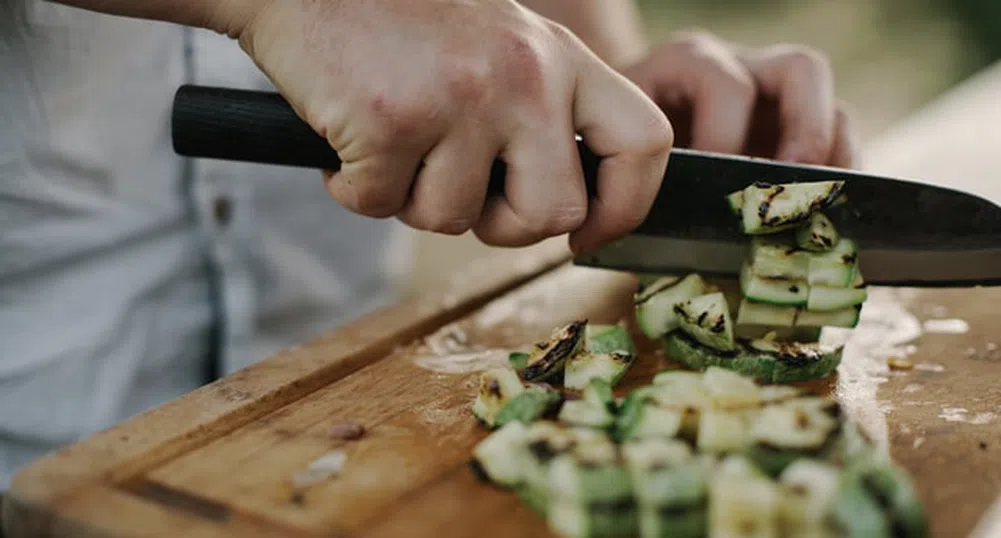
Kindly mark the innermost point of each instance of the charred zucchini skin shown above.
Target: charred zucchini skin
(547, 359)
(762, 366)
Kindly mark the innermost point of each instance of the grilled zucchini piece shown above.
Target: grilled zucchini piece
(835, 268)
(767, 209)
(893, 490)
(517, 360)
(547, 359)
(856, 514)
(608, 339)
(828, 299)
(583, 367)
(498, 386)
(596, 408)
(706, 318)
(742, 502)
(772, 290)
(655, 304)
(591, 472)
(667, 522)
(808, 490)
(818, 234)
(723, 431)
(779, 257)
(795, 361)
(847, 317)
(764, 360)
(571, 519)
(652, 464)
(736, 201)
(532, 404)
(496, 457)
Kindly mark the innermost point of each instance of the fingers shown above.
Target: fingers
(382, 159)
(451, 188)
(845, 153)
(376, 186)
(801, 81)
(634, 138)
(544, 192)
(717, 87)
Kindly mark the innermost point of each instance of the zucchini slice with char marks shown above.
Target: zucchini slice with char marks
(496, 457)
(829, 299)
(778, 257)
(767, 209)
(706, 318)
(773, 290)
(743, 503)
(584, 367)
(808, 490)
(835, 268)
(818, 234)
(498, 386)
(655, 304)
(608, 339)
(535, 402)
(595, 409)
(765, 361)
(547, 358)
(892, 489)
(591, 492)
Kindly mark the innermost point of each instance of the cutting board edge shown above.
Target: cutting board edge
(128, 448)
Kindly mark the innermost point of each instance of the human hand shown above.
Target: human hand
(419, 97)
(775, 102)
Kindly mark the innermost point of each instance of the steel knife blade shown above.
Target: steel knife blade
(908, 232)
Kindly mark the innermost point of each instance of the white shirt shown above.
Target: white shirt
(127, 274)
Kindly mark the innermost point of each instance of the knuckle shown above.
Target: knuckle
(467, 81)
(804, 61)
(558, 220)
(374, 202)
(695, 41)
(397, 119)
(522, 63)
(658, 137)
(444, 223)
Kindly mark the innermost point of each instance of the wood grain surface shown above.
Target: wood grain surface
(219, 462)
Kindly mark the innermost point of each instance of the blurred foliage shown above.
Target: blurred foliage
(980, 20)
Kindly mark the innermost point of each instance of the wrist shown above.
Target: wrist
(232, 17)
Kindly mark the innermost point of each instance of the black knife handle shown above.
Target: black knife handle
(261, 127)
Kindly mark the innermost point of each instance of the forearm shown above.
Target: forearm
(225, 16)
(611, 28)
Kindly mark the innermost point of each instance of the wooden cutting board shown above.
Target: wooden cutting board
(219, 462)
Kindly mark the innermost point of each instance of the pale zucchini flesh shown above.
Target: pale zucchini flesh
(706, 318)
(655, 305)
(583, 367)
(497, 387)
(773, 290)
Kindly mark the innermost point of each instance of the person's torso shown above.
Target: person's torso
(123, 267)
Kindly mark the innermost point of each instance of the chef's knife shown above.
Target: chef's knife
(909, 233)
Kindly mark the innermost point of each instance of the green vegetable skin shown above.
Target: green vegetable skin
(783, 460)
(721, 449)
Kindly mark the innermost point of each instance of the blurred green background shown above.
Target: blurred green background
(890, 58)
